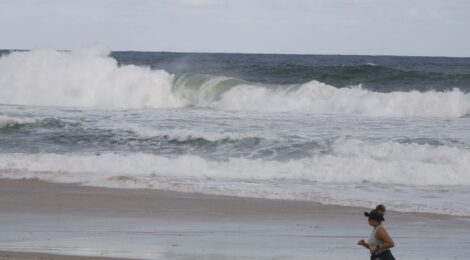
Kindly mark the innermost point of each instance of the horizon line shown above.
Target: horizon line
(255, 53)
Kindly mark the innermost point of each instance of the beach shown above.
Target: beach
(68, 219)
(154, 155)
(213, 129)
(5, 255)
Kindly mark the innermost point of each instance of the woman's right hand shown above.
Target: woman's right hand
(361, 242)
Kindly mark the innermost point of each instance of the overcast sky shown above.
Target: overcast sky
(393, 27)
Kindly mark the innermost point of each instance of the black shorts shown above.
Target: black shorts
(385, 255)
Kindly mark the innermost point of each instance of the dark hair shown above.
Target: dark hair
(380, 207)
(373, 214)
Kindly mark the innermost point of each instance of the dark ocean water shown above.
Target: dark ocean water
(378, 73)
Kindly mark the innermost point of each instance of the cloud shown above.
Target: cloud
(423, 27)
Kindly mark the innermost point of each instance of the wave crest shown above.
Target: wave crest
(7, 122)
(10, 122)
(81, 78)
(319, 98)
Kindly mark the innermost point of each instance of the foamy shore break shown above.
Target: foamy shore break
(154, 224)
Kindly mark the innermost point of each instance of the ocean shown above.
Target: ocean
(335, 129)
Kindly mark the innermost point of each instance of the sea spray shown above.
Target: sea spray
(82, 78)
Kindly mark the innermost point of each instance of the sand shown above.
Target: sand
(39, 256)
(68, 219)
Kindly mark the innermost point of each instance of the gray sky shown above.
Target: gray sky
(394, 27)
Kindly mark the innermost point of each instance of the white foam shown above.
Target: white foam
(351, 161)
(356, 173)
(180, 134)
(319, 98)
(8, 121)
(81, 78)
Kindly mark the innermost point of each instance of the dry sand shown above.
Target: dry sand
(150, 224)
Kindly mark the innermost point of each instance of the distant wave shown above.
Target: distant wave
(8, 122)
(386, 79)
(91, 78)
(184, 135)
(318, 98)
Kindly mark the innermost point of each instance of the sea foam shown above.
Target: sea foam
(351, 161)
(319, 98)
(407, 177)
(8, 121)
(81, 78)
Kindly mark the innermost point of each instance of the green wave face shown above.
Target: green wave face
(203, 90)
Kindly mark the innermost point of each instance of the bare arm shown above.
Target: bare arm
(363, 243)
(383, 235)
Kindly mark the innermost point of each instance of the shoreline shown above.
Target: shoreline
(36, 185)
(70, 219)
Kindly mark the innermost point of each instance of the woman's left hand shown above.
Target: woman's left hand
(376, 249)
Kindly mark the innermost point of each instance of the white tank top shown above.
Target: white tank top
(373, 242)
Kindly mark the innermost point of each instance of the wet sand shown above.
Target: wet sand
(39, 256)
(68, 219)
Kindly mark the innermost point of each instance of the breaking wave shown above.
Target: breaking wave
(91, 78)
(9, 122)
(319, 98)
(341, 177)
(81, 78)
(184, 135)
(350, 161)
